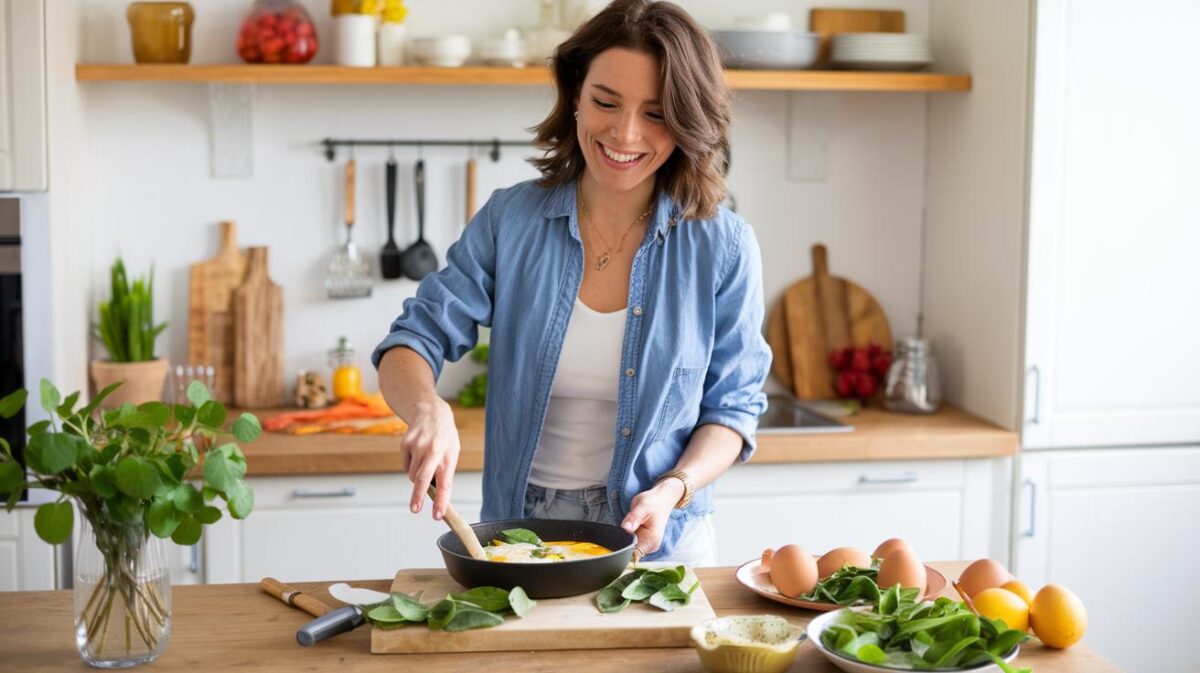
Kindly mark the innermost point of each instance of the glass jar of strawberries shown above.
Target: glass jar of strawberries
(277, 31)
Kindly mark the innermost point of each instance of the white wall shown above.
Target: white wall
(976, 190)
(147, 193)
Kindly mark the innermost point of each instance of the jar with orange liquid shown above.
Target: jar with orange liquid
(347, 377)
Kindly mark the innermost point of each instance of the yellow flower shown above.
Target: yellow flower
(342, 7)
(394, 11)
(369, 7)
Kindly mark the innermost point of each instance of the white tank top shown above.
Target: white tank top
(575, 448)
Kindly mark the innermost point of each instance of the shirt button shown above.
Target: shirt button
(629, 372)
(637, 310)
(625, 432)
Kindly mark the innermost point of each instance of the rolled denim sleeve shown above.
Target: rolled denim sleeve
(442, 321)
(733, 387)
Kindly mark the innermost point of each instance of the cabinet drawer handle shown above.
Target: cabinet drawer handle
(194, 563)
(344, 492)
(906, 478)
(1032, 507)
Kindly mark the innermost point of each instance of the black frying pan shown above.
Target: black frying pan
(542, 580)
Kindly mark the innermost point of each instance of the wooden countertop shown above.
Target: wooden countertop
(877, 435)
(237, 626)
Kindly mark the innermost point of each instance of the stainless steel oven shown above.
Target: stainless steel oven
(12, 365)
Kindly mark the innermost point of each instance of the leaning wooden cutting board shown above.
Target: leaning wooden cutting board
(571, 623)
(210, 310)
(258, 337)
(813, 317)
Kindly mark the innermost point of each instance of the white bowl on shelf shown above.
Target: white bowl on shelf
(508, 50)
(448, 51)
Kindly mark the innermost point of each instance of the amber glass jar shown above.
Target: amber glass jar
(161, 31)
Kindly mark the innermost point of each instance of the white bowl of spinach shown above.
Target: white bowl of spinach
(903, 634)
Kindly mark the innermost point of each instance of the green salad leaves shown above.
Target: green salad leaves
(660, 588)
(902, 633)
(477, 608)
(850, 585)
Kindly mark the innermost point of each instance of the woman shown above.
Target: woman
(626, 359)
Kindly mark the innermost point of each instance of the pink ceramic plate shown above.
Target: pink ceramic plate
(753, 577)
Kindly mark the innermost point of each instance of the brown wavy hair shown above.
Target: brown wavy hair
(695, 99)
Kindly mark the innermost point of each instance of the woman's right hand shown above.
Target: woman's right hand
(430, 451)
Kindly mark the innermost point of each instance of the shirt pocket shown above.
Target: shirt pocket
(681, 409)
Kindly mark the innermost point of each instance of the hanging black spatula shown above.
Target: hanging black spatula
(389, 257)
(419, 260)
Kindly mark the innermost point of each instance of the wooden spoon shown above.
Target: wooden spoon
(461, 529)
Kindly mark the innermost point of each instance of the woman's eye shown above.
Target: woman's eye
(602, 105)
(656, 116)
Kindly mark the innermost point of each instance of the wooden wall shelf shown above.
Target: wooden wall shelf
(798, 80)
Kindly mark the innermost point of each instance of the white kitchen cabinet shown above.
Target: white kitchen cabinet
(1112, 308)
(22, 95)
(944, 508)
(1119, 528)
(26, 562)
(347, 527)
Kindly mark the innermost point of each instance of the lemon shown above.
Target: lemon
(1057, 616)
(1018, 587)
(997, 603)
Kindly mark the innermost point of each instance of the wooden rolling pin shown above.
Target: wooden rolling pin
(293, 597)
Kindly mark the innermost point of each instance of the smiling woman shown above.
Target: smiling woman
(626, 360)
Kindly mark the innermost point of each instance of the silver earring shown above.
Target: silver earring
(577, 115)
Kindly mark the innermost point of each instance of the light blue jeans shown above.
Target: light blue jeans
(696, 547)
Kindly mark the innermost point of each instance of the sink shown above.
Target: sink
(786, 415)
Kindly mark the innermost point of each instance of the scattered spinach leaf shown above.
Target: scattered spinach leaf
(660, 588)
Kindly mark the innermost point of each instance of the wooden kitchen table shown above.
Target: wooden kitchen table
(237, 626)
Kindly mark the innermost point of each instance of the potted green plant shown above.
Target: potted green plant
(133, 474)
(128, 331)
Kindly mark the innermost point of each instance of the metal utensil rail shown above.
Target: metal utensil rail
(493, 145)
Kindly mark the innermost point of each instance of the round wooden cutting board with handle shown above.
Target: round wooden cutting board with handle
(814, 316)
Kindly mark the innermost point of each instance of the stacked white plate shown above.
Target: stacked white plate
(881, 51)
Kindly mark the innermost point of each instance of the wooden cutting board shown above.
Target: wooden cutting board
(210, 310)
(813, 317)
(830, 22)
(571, 623)
(258, 337)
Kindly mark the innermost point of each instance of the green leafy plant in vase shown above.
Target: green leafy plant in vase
(128, 331)
(129, 471)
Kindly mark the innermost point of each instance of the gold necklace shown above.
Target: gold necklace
(605, 257)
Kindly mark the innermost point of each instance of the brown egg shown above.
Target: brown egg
(833, 560)
(793, 571)
(888, 546)
(901, 567)
(983, 574)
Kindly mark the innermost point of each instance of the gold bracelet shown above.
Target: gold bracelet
(687, 486)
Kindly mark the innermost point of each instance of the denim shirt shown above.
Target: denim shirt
(693, 348)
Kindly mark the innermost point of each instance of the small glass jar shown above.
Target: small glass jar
(347, 377)
(913, 384)
(161, 31)
(277, 31)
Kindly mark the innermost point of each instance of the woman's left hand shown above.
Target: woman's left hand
(649, 512)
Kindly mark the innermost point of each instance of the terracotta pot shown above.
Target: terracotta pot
(143, 381)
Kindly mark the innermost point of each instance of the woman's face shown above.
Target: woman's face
(620, 125)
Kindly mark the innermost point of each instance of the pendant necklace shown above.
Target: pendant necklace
(605, 257)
